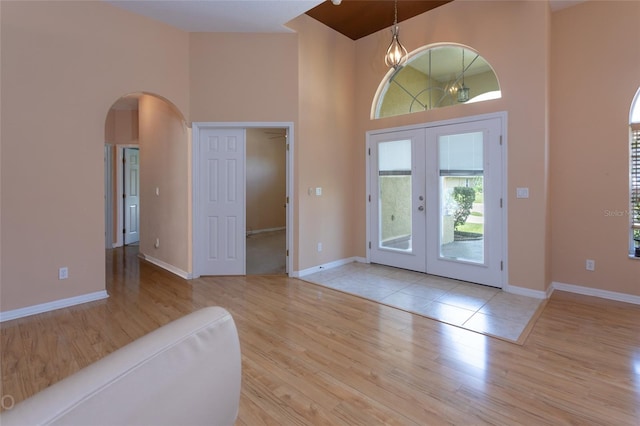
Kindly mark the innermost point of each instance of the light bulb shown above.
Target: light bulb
(396, 53)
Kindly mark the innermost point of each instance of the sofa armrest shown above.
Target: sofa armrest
(187, 372)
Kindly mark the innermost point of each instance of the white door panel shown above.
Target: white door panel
(131, 195)
(222, 201)
(398, 199)
(466, 165)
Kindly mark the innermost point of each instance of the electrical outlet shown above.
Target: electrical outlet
(590, 265)
(63, 273)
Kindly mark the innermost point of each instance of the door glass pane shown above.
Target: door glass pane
(461, 169)
(394, 183)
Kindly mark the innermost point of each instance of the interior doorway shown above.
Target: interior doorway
(122, 141)
(232, 203)
(149, 191)
(266, 192)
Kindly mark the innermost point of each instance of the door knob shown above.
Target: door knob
(421, 208)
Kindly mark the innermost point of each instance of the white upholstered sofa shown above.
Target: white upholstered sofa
(184, 373)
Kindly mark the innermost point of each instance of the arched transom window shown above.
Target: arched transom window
(436, 77)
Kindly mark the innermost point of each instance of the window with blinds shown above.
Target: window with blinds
(634, 187)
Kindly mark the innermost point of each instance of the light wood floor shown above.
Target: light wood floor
(312, 355)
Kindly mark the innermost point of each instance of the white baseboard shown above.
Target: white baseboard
(588, 291)
(52, 306)
(325, 266)
(522, 291)
(260, 231)
(164, 265)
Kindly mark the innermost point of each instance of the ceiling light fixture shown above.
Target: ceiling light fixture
(336, 2)
(396, 53)
(463, 91)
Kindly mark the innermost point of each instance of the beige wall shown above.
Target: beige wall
(164, 167)
(121, 127)
(596, 74)
(243, 77)
(326, 152)
(65, 63)
(266, 179)
(110, 127)
(126, 127)
(63, 66)
(513, 38)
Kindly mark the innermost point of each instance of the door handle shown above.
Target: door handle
(421, 208)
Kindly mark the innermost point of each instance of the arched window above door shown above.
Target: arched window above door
(436, 77)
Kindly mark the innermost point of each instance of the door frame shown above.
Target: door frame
(119, 191)
(503, 117)
(108, 196)
(195, 185)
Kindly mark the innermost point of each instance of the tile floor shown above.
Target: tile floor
(475, 307)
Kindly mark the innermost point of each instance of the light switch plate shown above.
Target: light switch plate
(522, 192)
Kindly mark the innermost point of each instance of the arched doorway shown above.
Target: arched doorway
(153, 133)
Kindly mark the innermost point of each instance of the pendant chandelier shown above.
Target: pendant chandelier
(463, 91)
(396, 53)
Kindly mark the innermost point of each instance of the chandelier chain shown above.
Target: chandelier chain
(395, 12)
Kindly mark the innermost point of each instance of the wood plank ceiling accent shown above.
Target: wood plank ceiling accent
(359, 18)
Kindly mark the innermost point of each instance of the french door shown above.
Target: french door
(436, 200)
(398, 199)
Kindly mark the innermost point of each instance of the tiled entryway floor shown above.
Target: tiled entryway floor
(475, 307)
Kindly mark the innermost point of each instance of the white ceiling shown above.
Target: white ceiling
(248, 16)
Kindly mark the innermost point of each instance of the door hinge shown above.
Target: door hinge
(287, 145)
(501, 265)
(287, 199)
(500, 202)
(369, 245)
(500, 140)
(124, 195)
(369, 197)
(124, 231)
(287, 252)
(369, 151)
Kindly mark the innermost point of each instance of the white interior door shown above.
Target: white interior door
(436, 200)
(221, 202)
(464, 202)
(397, 199)
(131, 195)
